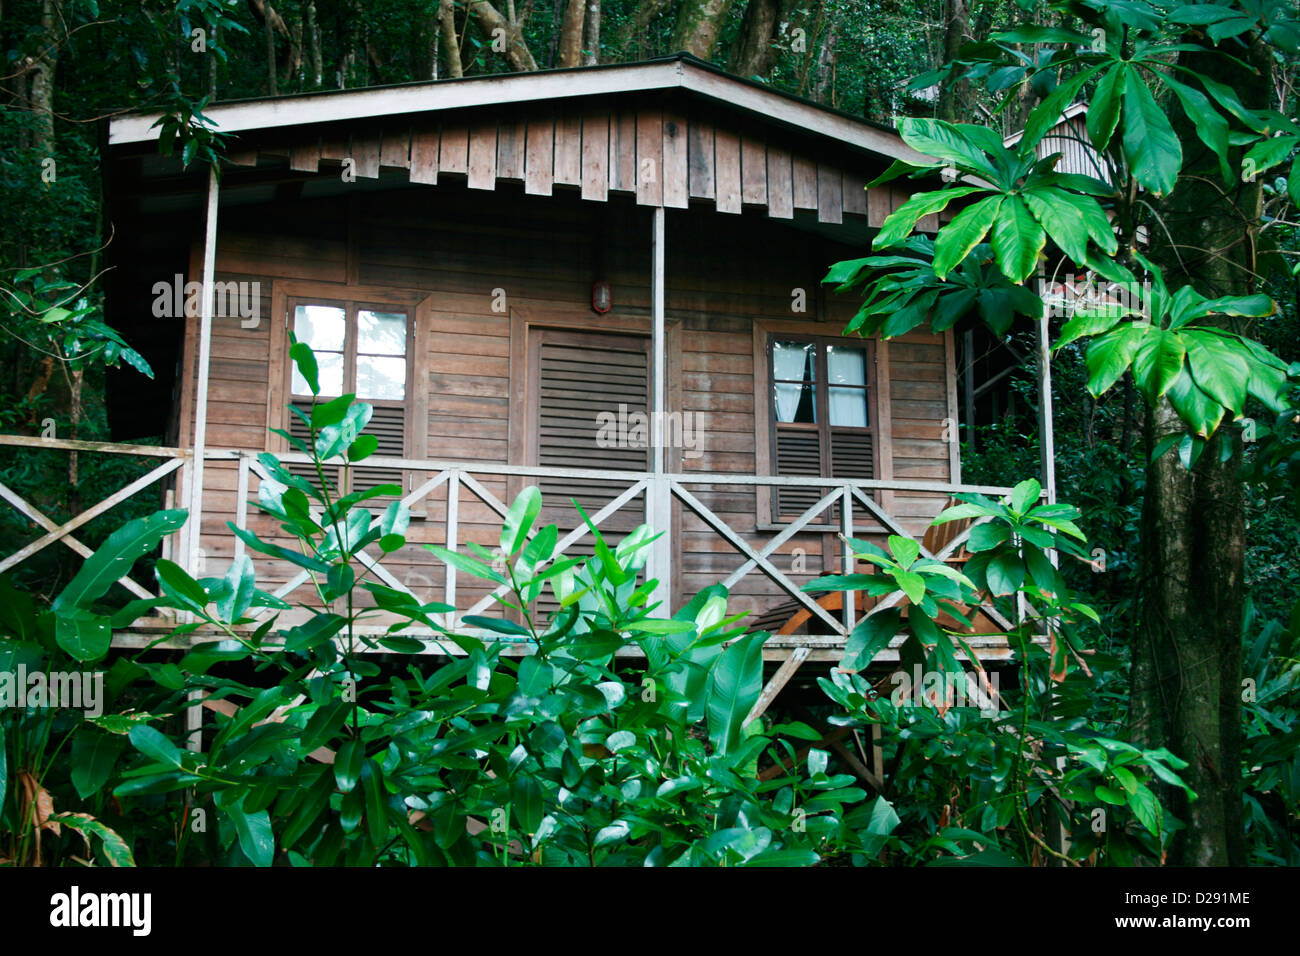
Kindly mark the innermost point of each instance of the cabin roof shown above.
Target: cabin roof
(680, 71)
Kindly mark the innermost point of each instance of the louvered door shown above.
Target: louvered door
(589, 404)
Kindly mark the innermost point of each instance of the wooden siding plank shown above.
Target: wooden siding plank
(622, 153)
(699, 159)
(510, 149)
(539, 158)
(727, 159)
(365, 154)
(805, 183)
(753, 171)
(649, 158)
(334, 146)
(568, 149)
(595, 155)
(855, 193)
(830, 194)
(780, 186)
(879, 205)
(483, 155)
(304, 156)
(424, 155)
(396, 150)
(674, 165)
(453, 149)
(245, 157)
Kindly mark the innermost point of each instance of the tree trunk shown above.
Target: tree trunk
(823, 85)
(313, 48)
(570, 54)
(1186, 678)
(765, 27)
(698, 23)
(450, 41)
(952, 95)
(591, 31)
(42, 79)
(517, 52)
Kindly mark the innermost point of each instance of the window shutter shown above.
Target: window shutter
(387, 423)
(798, 452)
(852, 454)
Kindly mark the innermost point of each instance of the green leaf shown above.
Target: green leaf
(115, 848)
(964, 233)
(255, 836)
(243, 587)
(1146, 808)
(1104, 109)
(1048, 113)
(735, 681)
(1018, 240)
(519, 520)
(1025, 495)
(302, 356)
(1110, 355)
(898, 225)
(1071, 220)
(1150, 144)
(869, 637)
(83, 635)
(115, 557)
(1005, 574)
(154, 744)
(347, 764)
(1158, 362)
(176, 583)
(93, 755)
(904, 550)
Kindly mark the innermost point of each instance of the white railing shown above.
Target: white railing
(859, 515)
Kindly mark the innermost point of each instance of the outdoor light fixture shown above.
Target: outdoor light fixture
(602, 297)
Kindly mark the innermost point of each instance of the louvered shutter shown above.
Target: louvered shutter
(387, 424)
(798, 452)
(580, 377)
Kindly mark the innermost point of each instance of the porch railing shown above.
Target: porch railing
(859, 514)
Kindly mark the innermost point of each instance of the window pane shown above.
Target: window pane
(329, 374)
(381, 377)
(846, 365)
(794, 362)
(794, 403)
(381, 333)
(848, 407)
(321, 327)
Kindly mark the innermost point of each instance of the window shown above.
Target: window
(822, 416)
(361, 348)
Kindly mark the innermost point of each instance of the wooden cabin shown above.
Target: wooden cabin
(519, 272)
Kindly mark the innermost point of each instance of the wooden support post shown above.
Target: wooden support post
(201, 393)
(453, 534)
(846, 517)
(1046, 431)
(659, 497)
(968, 384)
(778, 681)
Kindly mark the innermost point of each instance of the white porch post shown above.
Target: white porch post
(1046, 433)
(659, 495)
(194, 716)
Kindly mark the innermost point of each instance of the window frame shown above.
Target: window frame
(353, 299)
(767, 335)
